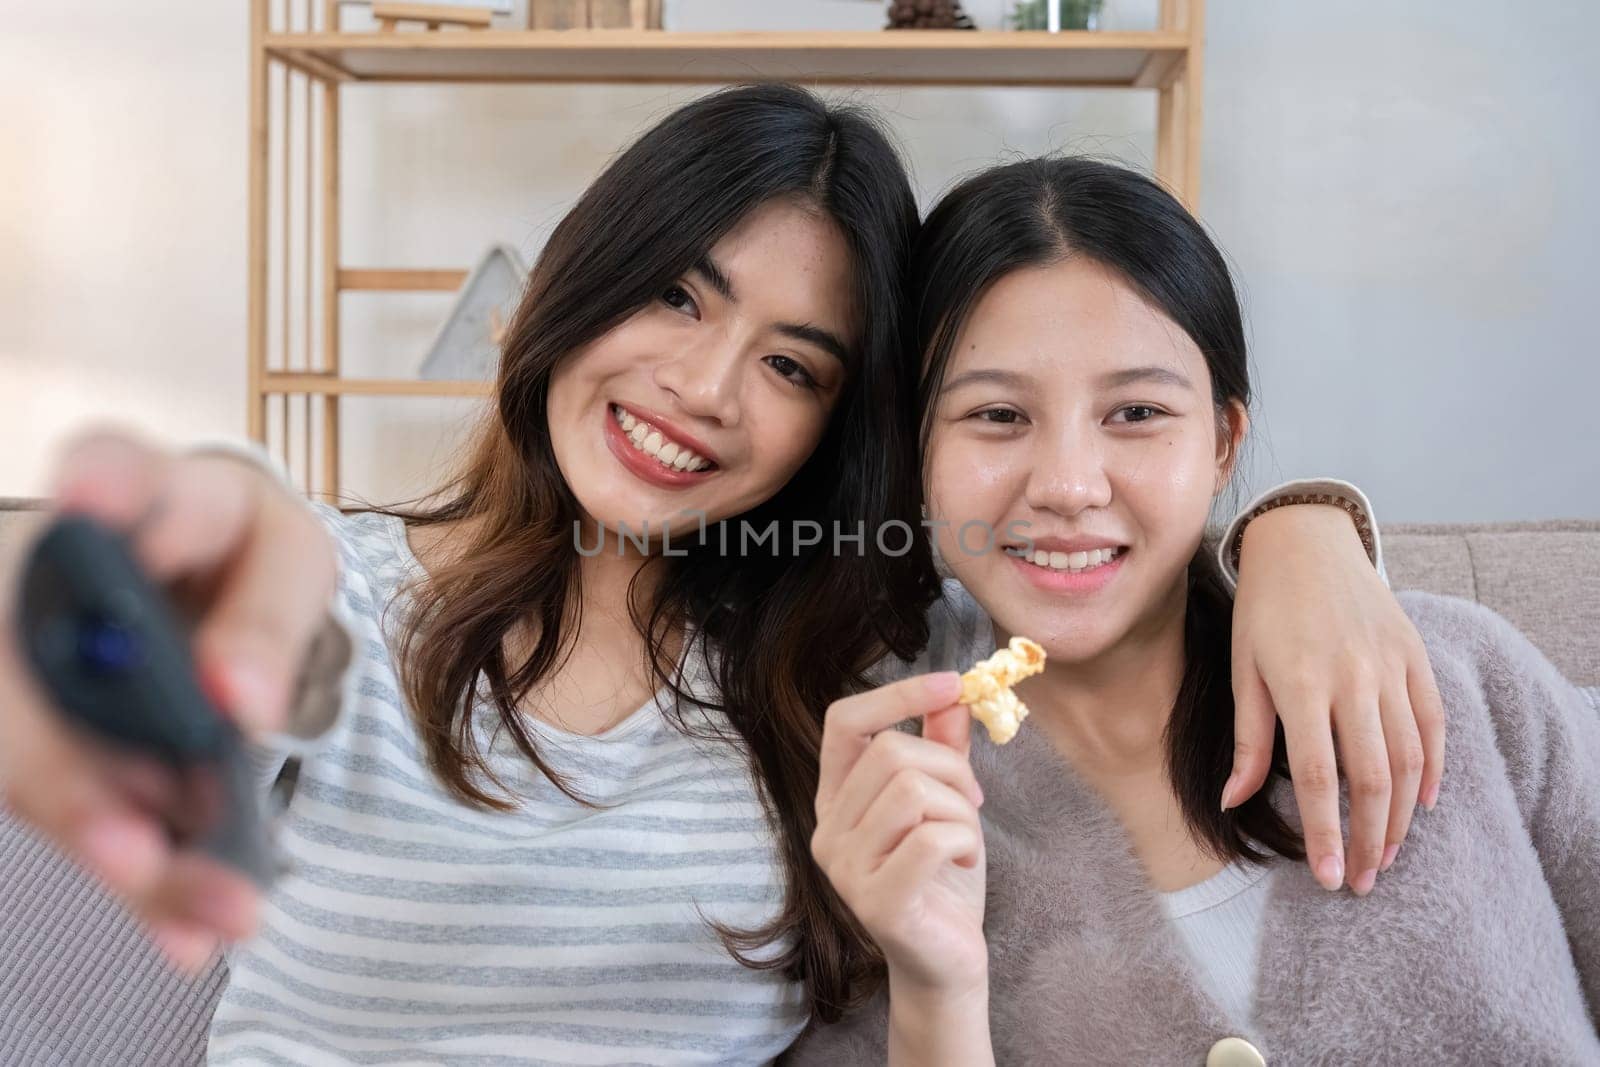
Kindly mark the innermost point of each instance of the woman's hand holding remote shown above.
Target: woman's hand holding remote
(255, 570)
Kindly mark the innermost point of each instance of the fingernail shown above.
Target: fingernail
(1431, 797)
(252, 697)
(1227, 791)
(979, 790)
(1330, 872)
(1388, 857)
(1365, 881)
(185, 946)
(214, 683)
(108, 845)
(945, 686)
(223, 914)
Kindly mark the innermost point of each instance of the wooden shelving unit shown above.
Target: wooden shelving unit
(907, 57)
(306, 45)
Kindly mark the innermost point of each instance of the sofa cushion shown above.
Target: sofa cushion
(1429, 563)
(79, 982)
(1543, 577)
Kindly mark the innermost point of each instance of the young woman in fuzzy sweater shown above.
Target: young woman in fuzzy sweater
(1078, 895)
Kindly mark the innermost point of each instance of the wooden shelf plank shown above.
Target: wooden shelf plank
(889, 57)
(400, 280)
(281, 383)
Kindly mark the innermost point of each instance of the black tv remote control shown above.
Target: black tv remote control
(113, 655)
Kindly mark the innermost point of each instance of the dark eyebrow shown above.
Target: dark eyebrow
(1011, 379)
(707, 268)
(1156, 375)
(826, 340)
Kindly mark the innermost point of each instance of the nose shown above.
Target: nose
(705, 380)
(1069, 473)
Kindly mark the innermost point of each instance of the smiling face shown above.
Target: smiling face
(1072, 405)
(713, 396)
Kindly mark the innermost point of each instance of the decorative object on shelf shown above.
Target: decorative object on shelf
(625, 14)
(390, 13)
(558, 14)
(1057, 15)
(928, 15)
(764, 16)
(467, 347)
(594, 14)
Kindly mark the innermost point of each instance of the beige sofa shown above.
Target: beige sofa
(79, 986)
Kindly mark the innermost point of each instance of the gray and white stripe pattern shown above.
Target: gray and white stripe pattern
(414, 929)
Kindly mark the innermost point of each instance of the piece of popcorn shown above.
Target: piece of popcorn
(986, 688)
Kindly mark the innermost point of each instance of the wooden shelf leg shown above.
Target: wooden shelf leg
(256, 341)
(1171, 144)
(1194, 86)
(1179, 113)
(330, 272)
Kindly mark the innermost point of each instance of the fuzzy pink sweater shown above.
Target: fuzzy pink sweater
(1480, 945)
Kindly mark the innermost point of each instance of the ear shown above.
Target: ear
(1233, 425)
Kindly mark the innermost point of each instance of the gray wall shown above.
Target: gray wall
(1408, 192)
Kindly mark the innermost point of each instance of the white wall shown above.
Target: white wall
(1401, 187)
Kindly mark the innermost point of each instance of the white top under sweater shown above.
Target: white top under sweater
(1219, 922)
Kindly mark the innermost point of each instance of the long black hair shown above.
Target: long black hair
(793, 630)
(1040, 211)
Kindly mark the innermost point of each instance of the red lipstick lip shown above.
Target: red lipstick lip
(669, 431)
(644, 467)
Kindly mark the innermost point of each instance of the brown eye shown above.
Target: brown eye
(1000, 416)
(1139, 413)
(792, 370)
(677, 298)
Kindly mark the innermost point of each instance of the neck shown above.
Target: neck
(605, 578)
(1107, 715)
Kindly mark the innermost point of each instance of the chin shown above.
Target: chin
(1068, 651)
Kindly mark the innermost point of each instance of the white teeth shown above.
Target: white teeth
(1074, 562)
(649, 440)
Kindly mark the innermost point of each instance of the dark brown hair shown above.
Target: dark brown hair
(1040, 211)
(792, 631)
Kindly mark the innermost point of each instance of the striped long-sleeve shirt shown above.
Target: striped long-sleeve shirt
(414, 929)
